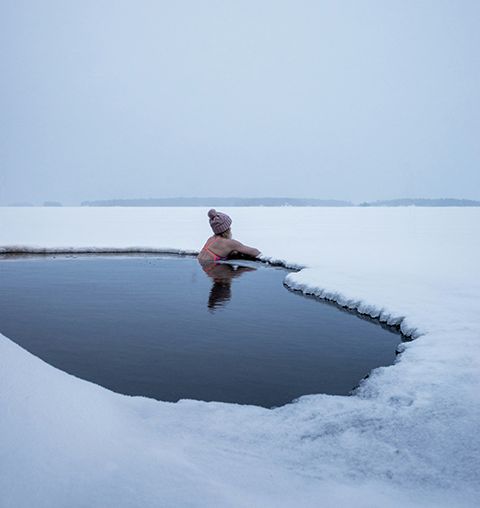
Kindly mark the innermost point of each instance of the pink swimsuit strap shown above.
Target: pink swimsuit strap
(215, 256)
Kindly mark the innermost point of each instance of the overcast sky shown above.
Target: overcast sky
(327, 99)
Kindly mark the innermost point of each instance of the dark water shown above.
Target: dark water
(162, 327)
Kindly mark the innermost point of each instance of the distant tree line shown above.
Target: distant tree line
(226, 202)
(423, 202)
(218, 202)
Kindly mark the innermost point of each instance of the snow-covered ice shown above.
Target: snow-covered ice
(409, 437)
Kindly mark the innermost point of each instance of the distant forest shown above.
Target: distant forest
(225, 202)
(218, 202)
(423, 202)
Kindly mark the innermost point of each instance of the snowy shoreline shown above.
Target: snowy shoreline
(409, 437)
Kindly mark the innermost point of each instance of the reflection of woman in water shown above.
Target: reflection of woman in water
(221, 245)
(222, 275)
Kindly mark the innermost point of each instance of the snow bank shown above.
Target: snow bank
(409, 437)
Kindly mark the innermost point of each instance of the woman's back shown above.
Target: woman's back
(214, 249)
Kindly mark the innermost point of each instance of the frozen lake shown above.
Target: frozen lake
(163, 327)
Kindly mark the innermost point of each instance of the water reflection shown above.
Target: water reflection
(115, 321)
(222, 275)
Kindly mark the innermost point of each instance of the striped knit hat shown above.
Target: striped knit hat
(219, 221)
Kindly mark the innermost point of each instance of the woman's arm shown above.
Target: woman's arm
(235, 245)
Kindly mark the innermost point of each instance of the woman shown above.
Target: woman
(221, 245)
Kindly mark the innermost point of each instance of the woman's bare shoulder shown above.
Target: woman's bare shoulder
(231, 243)
(237, 246)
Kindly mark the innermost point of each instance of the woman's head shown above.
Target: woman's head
(220, 223)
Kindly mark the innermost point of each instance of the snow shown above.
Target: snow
(409, 437)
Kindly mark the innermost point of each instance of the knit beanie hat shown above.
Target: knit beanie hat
(219, 221)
